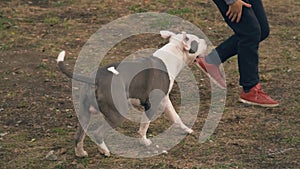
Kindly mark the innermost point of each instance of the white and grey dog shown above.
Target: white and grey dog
(162, 69)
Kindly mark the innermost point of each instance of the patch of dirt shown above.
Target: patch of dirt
(37, 114)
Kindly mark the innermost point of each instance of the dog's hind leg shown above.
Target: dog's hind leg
(151, 106)
(79, 138)
(80, 135)
(99, 137)
(83, 124)
(150, 109)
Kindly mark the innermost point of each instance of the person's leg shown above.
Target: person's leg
(228, 48)
(245, 43)
(252, 28)
(260, 14)
(224, 51)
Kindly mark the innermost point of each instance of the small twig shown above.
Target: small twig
(280, 152)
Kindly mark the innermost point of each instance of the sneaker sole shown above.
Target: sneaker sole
(212, 79)
(257, 104)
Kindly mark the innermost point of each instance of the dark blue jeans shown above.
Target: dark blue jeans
(248, 33)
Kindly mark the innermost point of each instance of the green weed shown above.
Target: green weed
(137, 8)
(60, 166)
(5, 23)
(6, 46)
(85, 161)
(160, 165)
(59, 130)
(11, 94)
(52, 20)
(228, 166)
(62, 3)
(42, 65)
(178, 11)
(292, 140)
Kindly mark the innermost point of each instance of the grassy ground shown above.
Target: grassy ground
(36, 111)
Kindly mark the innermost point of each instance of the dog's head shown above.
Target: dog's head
(191, 45)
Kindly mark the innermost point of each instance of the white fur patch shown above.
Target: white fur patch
(61, 56)
(103, 149)
(173, 62)
(113, 70)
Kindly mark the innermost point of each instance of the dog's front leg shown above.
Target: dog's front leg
(173, 116)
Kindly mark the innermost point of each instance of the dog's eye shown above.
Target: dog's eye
(186, 39)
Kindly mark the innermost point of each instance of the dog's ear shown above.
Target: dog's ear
(166, 34)
(185, 43)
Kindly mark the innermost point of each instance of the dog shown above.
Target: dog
(135, 80)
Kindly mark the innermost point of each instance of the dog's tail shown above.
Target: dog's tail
(61, 65)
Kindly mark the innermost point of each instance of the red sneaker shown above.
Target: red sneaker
(257, 97)
(212, 71)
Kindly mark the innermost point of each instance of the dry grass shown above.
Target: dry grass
(37, 112)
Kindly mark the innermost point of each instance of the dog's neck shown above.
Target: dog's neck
(172, 58)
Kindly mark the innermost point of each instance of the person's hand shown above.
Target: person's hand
(234, 12)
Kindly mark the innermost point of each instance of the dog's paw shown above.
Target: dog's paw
(145, 141)
(80, 153)
(106, 153)
(103, 149)
(188, 130)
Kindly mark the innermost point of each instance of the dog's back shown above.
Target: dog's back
(136, 79)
